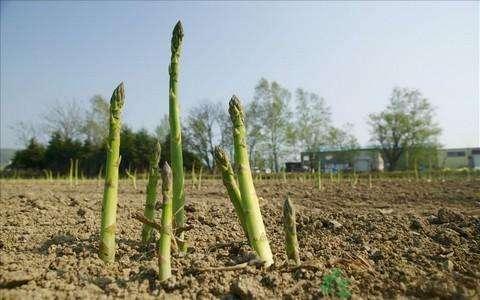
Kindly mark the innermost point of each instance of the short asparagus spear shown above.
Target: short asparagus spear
(149, 211)
(70, 175)
(176, 135)
(223, 163)
(250, 205)
(110, 194)
(290, 228)
(166, 233)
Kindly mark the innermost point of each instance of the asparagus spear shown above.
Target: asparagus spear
(250, 205)
(230, 183)
(176, 135)
(110, 194)
(290, 228)
(149, 211)
(166, 233)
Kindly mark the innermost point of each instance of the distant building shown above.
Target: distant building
(360, 160)
(456, 158)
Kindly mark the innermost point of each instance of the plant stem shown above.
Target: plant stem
(176, 134)
(76, 171)
(199, 183)
(290, 228)
(151, 200)
(228, 177)
(250, 205)
(110, 194)
(166, 233)
(70, 175)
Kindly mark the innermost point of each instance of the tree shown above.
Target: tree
(96, 121)
(255, 135)
(275, 114)
(60, 150)
(67, 119)
(406, 123)
(163, 129)
(25, 131)
(200, 129)
(312, 120)
(32, 157)
(341, 138)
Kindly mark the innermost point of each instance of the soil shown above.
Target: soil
(397, 238)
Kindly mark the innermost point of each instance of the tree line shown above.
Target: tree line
(280, 125)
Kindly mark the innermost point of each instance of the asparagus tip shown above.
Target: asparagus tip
(235, 108)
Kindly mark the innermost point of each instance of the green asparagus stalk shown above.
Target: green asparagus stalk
(250, 205)
(370, 180)
(110, 194)
(176, 135)
(70, 175)
(199, 183)
(228, 177)
(132, 177)
(290, 228)
(194, 178)
(166, 233)
(76, 171)
(151, 200)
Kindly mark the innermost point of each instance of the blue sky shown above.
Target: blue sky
(351, 53)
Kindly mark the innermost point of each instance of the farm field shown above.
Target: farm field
(398, 238)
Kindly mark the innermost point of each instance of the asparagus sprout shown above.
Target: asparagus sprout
(250, 204)
(166, 232)
(290, 228)
(110, 194)
(176, 135)
(151, 200)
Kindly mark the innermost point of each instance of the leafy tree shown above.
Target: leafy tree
(60, 150)
(275, 114)
(341, 138)
(312, 120)
(32, 157)
(406, 123)
(96, 121)
(162, 130)
(255, 133)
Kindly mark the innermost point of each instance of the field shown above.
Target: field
(398, 238)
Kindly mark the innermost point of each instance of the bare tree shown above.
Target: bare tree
(200, 130)
(25, 131)
(66, 118)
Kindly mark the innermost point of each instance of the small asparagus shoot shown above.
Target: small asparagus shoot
(110, 193)
(151, 200)
(250, 204)
(290, 228)
(223, 163)
(166, 233)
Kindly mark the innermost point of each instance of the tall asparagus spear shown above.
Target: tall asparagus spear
(250, 205)
(110, 193)
(290, 228)
(149, 211)
(166, 233)
(230, 183)
(176, 135)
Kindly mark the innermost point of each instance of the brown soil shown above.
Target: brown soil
(399, 238)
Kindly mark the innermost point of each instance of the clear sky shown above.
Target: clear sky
(351, 53)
